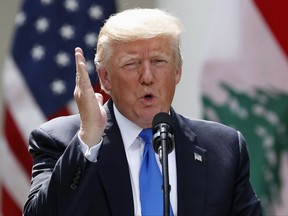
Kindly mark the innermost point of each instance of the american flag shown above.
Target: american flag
(39, 79)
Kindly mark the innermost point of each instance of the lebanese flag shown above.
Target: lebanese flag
(245, 85)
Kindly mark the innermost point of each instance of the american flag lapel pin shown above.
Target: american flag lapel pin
(197, 157)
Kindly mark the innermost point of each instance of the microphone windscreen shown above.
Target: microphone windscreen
(162, 117)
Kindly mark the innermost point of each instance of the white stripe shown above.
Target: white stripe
(13, 177)
(19, 100)
(243, 52)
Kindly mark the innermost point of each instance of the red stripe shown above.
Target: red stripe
(9, 207)
(62, 112)
(16, 143)
(276, 15)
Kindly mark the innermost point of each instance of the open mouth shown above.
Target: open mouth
(148, 96)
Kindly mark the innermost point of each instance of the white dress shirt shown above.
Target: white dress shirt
(134, 147)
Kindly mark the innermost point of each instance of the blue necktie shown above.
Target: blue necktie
(150, 179)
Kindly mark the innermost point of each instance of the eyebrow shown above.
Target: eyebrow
(128, 57)
(159, 53)
(152, 54)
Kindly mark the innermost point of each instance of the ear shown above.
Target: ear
(104, 78)
(178, 74)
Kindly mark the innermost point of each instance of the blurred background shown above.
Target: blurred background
(235, 72)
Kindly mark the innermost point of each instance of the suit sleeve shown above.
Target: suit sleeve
(56, 174)
(245, 201)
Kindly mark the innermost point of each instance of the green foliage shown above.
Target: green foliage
(262, 118)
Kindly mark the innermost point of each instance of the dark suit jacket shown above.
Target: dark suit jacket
(65, 183)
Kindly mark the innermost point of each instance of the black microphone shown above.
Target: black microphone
(162, 129)
(163, 144)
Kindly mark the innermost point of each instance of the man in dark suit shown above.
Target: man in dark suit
(89, 164)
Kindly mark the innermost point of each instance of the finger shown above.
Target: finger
(78, 49)
(79, 57)
(82, 76)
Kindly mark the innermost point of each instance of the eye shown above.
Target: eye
(159, 62)
(130, 65)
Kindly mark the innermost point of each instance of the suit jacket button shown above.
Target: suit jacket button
(76, 180)
(73, 186)
(79, 170)
(78, 174)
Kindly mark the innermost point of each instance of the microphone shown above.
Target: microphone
(163, 144)
(162, 129)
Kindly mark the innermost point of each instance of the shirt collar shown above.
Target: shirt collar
(129, 131)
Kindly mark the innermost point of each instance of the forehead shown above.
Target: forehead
(153, 46)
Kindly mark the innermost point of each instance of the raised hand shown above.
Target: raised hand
(90, 105)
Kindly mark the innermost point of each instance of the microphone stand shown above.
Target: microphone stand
(163, 156)
(163, 134)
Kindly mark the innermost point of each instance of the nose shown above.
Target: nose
(146, 75)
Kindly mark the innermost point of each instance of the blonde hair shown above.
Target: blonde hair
(135, 24)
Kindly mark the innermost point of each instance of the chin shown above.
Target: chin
(148, 113)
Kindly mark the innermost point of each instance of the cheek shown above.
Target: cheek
(170, 79)
(123, 83)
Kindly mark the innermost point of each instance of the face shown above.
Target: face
(141, 77)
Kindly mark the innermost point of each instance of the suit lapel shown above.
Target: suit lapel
(191, 162)
(114, 170)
